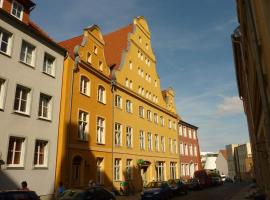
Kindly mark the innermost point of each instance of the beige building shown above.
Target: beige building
(251, 47)
(231, 159)
(244, 164)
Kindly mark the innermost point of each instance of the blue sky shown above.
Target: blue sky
(191, 40)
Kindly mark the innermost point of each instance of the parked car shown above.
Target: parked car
(216, 180)
(94, 193)
(178, 186)
(229, 180)
(18, 195)
(194, 184)
(156, 190)
(203, 177)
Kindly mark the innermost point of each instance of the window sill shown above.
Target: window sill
(21, 113)
(116, 145)
(40, 167)
(82, 140)
(15, 167)
(101, 102)
(86, 95)
(5, 54)
(45, 119)
(53, 76)
(28, 65)
(100, 143)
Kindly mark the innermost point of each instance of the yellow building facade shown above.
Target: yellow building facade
(132, 134)
(84, 146)
(145, 121)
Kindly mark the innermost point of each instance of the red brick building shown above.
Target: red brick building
(190, 160)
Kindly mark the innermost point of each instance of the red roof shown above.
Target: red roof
(115, 43)
(69, 44)
(224, 153)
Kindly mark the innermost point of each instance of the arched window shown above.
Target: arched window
(101, 94)
(85, 85)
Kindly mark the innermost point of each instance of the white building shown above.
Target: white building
(31, 67)
(231, 159)
(221, 163)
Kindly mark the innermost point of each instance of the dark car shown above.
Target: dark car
(194, 184)
(94, 193)
(157, 191)
(216, 180)
(18, 195)
(178, 186)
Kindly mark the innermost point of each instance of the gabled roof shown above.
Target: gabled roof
(224, 153)
(69, 44)
(115, 43)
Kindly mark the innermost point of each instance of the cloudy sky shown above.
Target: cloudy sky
(191, 40)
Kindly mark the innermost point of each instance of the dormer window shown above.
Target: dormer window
(17, 10)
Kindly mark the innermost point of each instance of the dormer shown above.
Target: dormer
(20, 9)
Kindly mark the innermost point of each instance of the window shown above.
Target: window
(183, 171)
(5, 41)
(89, 57)
(162, 120)
(170, 145)
(100, 130)
(173, 170)
(2, 92)
(48, 64)
(180, 130)
(149, 115)
(141, 111)
(190, 150)
(100, 65)
(101, 94)
(83, 126)
(155, 118)
(130, 84)
(189, 133)
(156, 142)
(129, 136)
(184, 131)
(15, 152)
(181, 148)
(27, 53)
(169, 124)
(143, 91)
(139, 71)
(129, 169)
(17, 10)
(146, 46)
(195, 151)
(117, 169)
(149, 141)
(127, 82)
(100, 169)
(194, 135)
(130, 65)
(45, 106)
(186, 149)
(129, 107)
(174, 146)
(139, 89)
(174, 126)
(95, 49)
(118, 101)
(160, 171)
(22, 99)
(118, 134)
(85, 86)
(187, 169)
(1, 3)
(41, 153)
(162, 143)
(142, 143)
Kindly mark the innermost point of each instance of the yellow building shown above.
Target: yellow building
(84, 146)
(145, 120)
(137, 119)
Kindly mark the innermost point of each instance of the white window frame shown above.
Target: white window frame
(194, 135)
(3, 89)
(101, 94)
(169, 124)
(117, 134)
(13, 152)
(189, 133)
(156, 142)
(149, 140)
(118, 101)
(163, 143)
(170, 145)
(156, 118)
(185, 131)
(173, 170)
(100, 170)
(45, 103)
(100, 130)
(162, 121)
(195, 150)
(190, 150)
(149, 115)
(83, 125)
(174, 146)
(49, 64)
(186, 149)
(129, 174)
(130, 65)
(21, 11)
(129, 106)
(117, 169)
(129, 137)
(28, 49)
(142, 139)
(38, 152)
(21, 100)
(183, 169)
(160, 166)
(6, 33)
(85, 85)
(180, 130)
(141, 111)
(181, 148)
(1, 3)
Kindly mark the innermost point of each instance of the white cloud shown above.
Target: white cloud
(230, 105)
